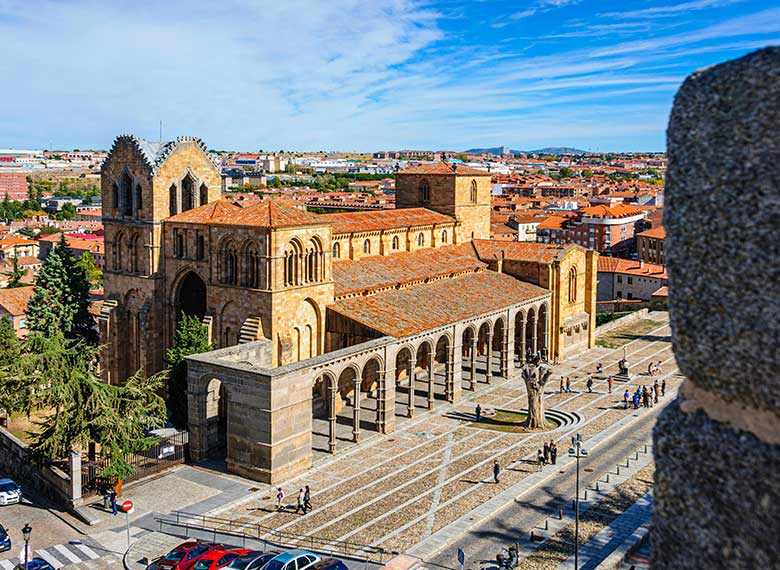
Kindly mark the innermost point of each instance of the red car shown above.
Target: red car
(186, 554)
(218, 558)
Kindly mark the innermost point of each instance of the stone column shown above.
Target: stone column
(489, 357)
(381, 402)
(356, 412)
(197, 425)
(533, 335)
(505, 354)
(431, 378)
(522, 341)
(332, 395)
(74, 466)
(455, 373)
(717, 448)
(410, 404)
(473, 372)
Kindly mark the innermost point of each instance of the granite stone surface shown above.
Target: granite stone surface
(722, 218)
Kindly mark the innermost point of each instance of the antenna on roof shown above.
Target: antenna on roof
(160, 130)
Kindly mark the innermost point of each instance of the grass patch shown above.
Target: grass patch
(507, 421)
(625, 334)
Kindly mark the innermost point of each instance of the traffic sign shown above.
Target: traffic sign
(127, 506)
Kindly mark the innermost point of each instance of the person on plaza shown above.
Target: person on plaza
(645, 398)
(650, 369)
(610, 380)
(663, 387)
(301, 503)
(496, 471)
(599, 369)
(568, 385)
(635, 400)
(590, 383)
(279, 499)
(540, 459)
(626, 396)
(553, 452)
(546, 452)
(307, 498)
(478, 412)
(112, 497)
(656, 390)
(562, 387)
(658, 368)
(555, 358)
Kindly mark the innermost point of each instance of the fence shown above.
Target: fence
(167, 452)
(245, 534)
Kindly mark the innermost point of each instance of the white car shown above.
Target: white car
(10, 492)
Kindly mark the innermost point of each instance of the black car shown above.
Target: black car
(254, 560)
(5, 540)
(328, 564)
(35, 564)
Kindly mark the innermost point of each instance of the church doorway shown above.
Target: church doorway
(191, 298)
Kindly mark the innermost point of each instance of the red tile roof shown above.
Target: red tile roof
(618, 210)
(403, 312)
(443, 168)
(354, 222)
(520, 250)
(14, 301)
(273, 213)
(658, 233)
(631, 267)
(552, 223)
(377, 272)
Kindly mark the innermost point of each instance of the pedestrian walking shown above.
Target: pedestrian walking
(553, 452)
(496, 471)
(113, 503)
(650, 369)
(555, 359)
(610, 380)
(656, 390)
(645, 399)
(663, 387)
(568, 384)
(590, 384)
(478, 412)
(562, 388)
(635, 400)
(540, 459)
(279, 499)
(599, 369)
(307, 498)
(301, 504)
(626, 396)
(658, 368)
(546, 452)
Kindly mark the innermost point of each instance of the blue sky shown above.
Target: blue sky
(361, 74)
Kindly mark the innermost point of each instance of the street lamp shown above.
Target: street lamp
(26, 532)
(576, 450)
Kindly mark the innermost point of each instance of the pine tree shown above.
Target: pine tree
(9, 344)
(192, 337)
(16, 275)
(60, 300)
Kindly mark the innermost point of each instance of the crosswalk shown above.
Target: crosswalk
(58, 555)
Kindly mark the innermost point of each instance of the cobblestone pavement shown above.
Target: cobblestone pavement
(394, 491)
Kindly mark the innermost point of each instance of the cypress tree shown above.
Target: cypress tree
(192, 337)
(15, 275)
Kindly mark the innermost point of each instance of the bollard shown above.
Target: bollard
(645, 448)
(626, 462)
(585, 498)
(617, 471)
(597, 485)
(560, 514)
(573, 504)
(606, 480)
(546, 525)
(637, 456)
(532, 536)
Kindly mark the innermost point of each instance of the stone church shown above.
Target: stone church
(318, 316)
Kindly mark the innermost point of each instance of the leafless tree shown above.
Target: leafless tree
(535, 379)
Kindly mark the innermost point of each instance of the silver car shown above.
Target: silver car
(10, 492)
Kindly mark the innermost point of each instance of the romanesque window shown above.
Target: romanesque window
(178, 243)
(138, 198)
(117, 253)
(292, 263)
(200, 248)
(444, 236)
(126, 197)
(425, 192)
(173, 206)
(395, 242)
(336, 250)
(473, 193)
(420, 240)
(187, 193)
(204, 194)
(134, 255)
(573, 285)
(367, 246)
(252, 261)
(313, 261)
(114, 196)
(229, 265)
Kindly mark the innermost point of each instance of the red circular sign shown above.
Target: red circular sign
(127, 506)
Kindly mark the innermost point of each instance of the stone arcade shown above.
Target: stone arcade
(322, 321)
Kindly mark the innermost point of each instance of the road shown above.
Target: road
(485, 540)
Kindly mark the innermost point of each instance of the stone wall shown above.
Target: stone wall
(717, 449)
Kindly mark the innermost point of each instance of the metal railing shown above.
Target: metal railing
(206, 527)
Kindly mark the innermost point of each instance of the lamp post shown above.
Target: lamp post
(576, 450)
(26, 532)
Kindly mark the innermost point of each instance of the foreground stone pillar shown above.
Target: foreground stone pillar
(473, 371)
(522, 341)
(410, 403)
(356, 412)
(333, 394)
(717, 449)
(488, 357)
(431, 378)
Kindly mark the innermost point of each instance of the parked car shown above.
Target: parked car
(10, 492)
(252, 560)
(184, 556)
(329, 564)
(218, 558)
(5, 540)
(35, 564)
(292, 560)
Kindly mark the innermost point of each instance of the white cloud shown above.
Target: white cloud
(670, 10)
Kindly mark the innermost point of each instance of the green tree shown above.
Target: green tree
(86, 263)
(587, 173)
(192, 337)
(9, 344)
(68, 212)
(60, 300)
(565, 172)
(16, 274)
(462, 157)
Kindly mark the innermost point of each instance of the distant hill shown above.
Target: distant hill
(499, 150)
